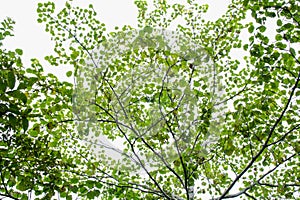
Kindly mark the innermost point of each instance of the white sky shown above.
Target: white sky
(35, 42)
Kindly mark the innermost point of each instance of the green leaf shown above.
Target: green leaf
(12, 120)
(196, 83)
(19, 51)
(21, 86)
(14, 109)
(293, 52)
(33, 133)
(148, 29)
(3, 108)
(251, 28)
(11, 79)
(270, 14)
(281, 45)
(69, 73)
(93, 194)
(246, 2)
(278, 37)
(22, 186)
(19, 95)
(74, 55)
(3, 85)
(262, 29)
(288, 26)
(32, 81)
(25, 123)
(69, 197)
(279, 22)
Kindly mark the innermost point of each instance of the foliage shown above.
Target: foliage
(32, 159)
(254, 153)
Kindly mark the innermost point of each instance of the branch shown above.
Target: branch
(131, 184)
(257, 182)
(235, 95)
(285, 135)
(286, 185)
(266, 142)
(250, 196)
(7, 193)
(8, 196)
(132, 145)
(184, 184)
(135, 186)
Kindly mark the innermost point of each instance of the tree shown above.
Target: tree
(249, 149)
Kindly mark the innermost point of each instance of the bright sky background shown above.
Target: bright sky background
(35, 42)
